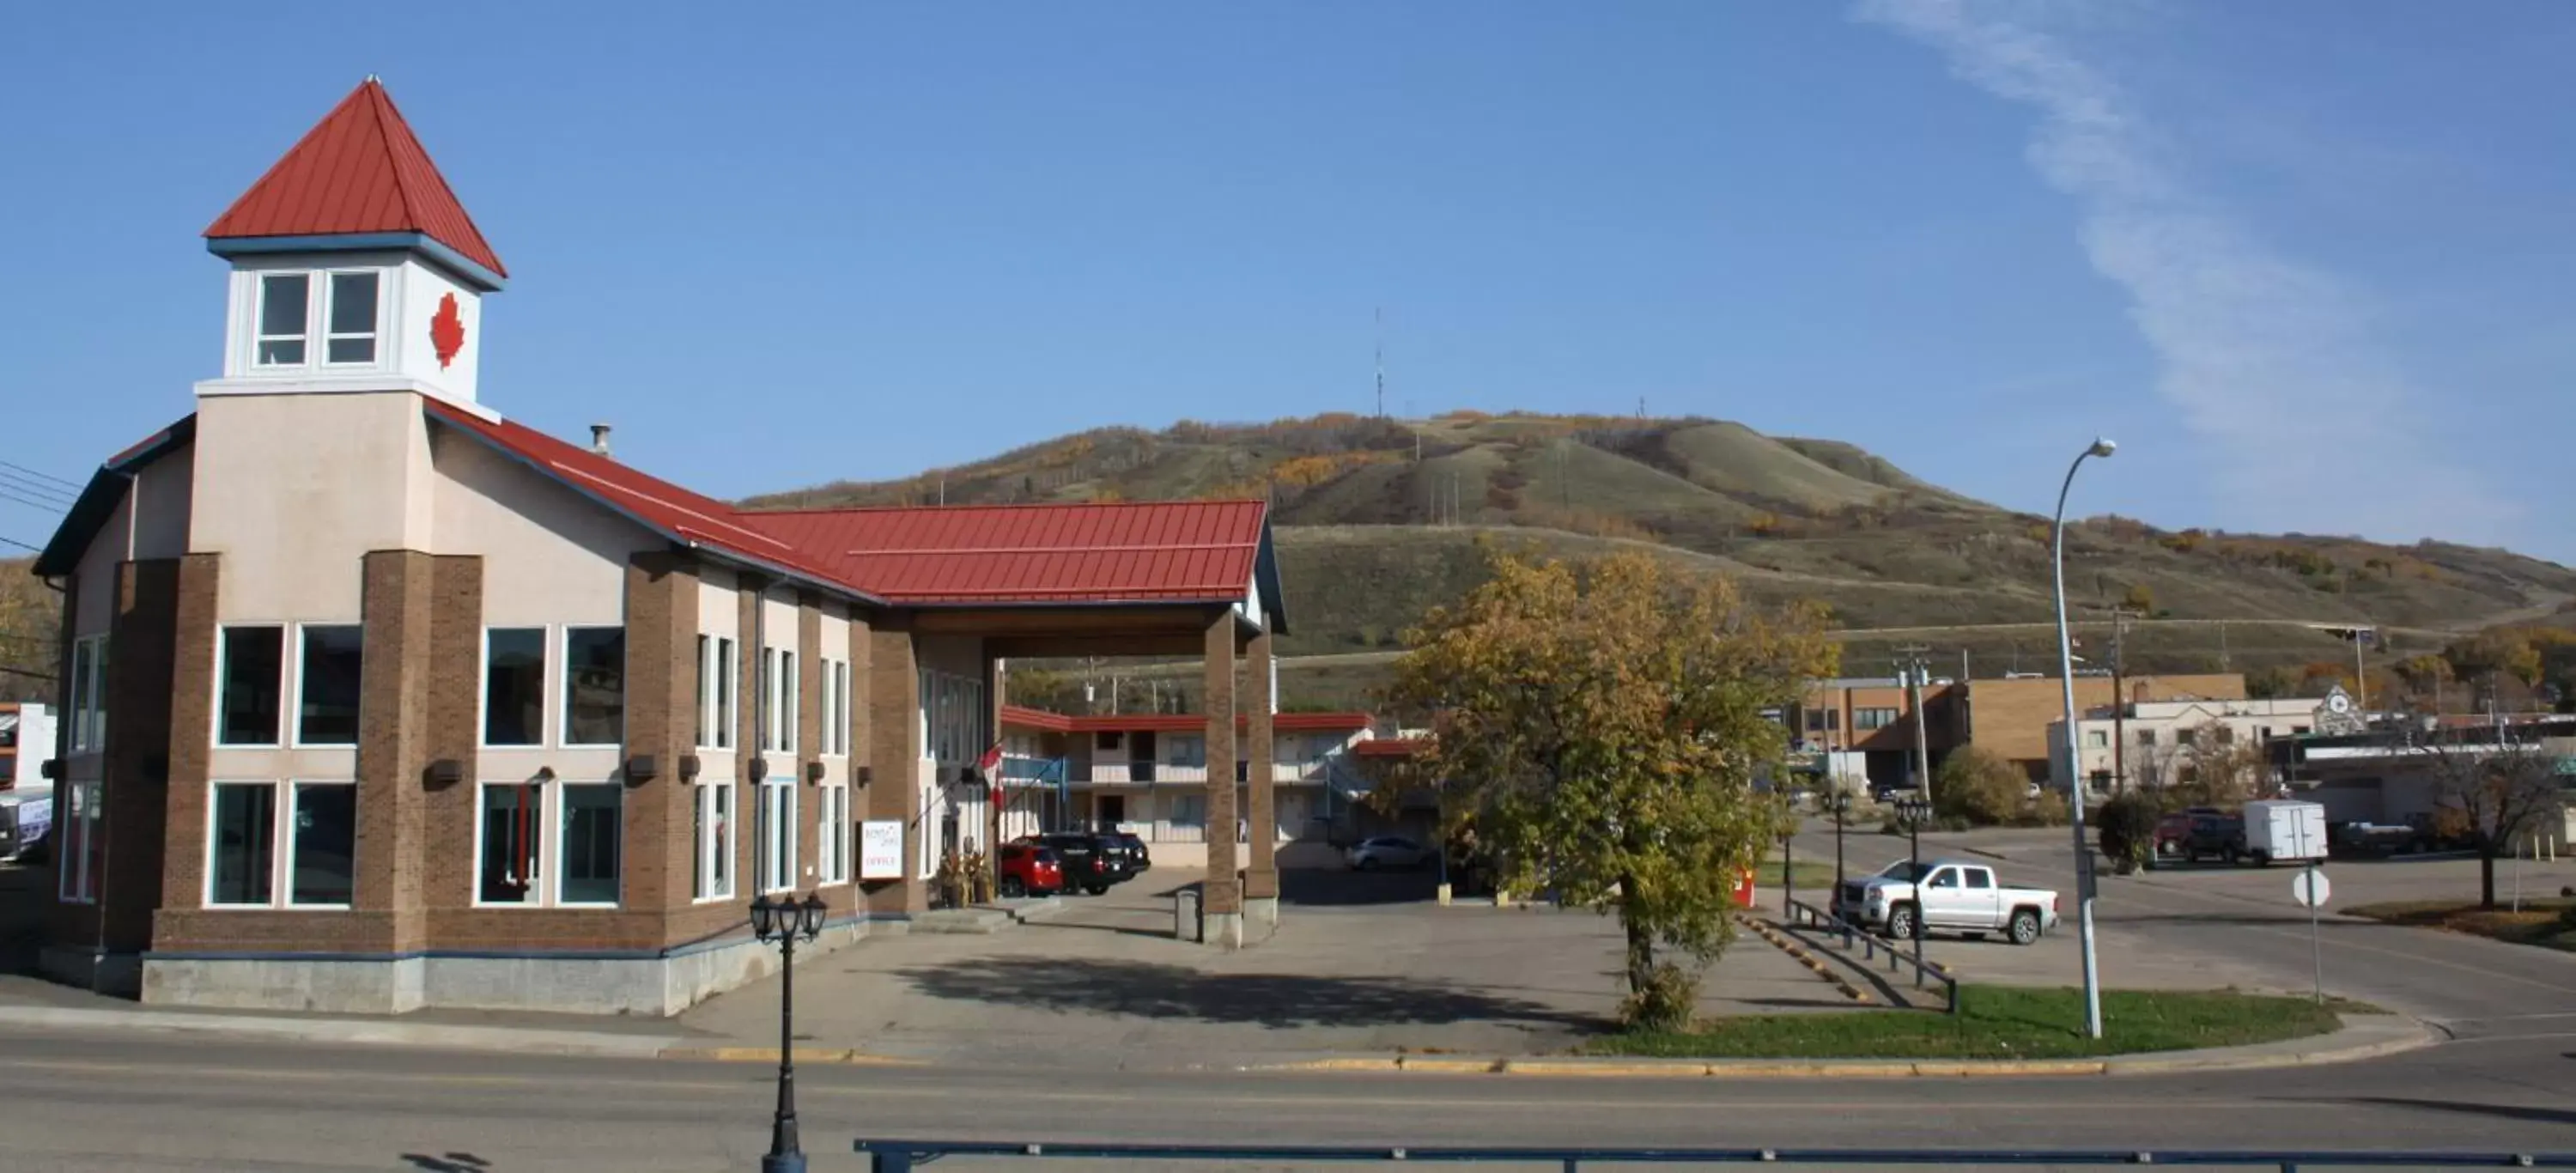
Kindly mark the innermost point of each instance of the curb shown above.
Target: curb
(838, 1056)
(2413, 1036)
(1799, 953)
(343, 1030)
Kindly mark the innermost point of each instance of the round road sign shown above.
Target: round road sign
(2313, 897)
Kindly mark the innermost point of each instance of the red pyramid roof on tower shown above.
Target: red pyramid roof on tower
(359, 170)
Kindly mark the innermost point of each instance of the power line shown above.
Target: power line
(41, 475)
(30, 673)
(31, 502)
(5, 541)
(37, 493)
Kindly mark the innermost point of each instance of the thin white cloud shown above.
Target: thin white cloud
(2269, 359)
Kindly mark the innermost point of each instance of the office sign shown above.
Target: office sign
(881, 849)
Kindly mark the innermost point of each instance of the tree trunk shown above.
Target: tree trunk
(1641, 945)
(2486, 875)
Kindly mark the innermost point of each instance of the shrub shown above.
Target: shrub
(1664, 1003)
(2128, 825)
(2048, 810)
(1976, 786)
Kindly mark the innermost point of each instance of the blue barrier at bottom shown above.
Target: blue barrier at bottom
(899, 1156)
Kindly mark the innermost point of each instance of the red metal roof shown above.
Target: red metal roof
(359, 170)
(1388, 747)
(1028, 718)
(1194, 551)
(1140, 551)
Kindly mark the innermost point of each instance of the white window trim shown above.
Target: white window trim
(784, 803)
(295, 682)
(282, 834)
(322, 321)
(562, 653)
(768, 685)
(89, 704)
(832, 838)
(259, 318)
(555, 843)
(715, 844)
(223, 664)
(544, 863)
(791, 699)
(483, 687)
(720, 667)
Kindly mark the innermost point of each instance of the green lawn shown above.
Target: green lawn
(2541, 922)
(1813, 878)
(1998, 1022)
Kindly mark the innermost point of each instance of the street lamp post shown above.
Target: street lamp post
(783, 922)
(2074, 781)
(1840, 804)
(1914, 810)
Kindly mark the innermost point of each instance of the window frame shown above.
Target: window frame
(259, 336)
(283, 837)
(715, 835)
(791, 703)
(719, 679)
(536, 891)
(770, 854)
(563, 654)
(1885, 715)
(223, 682)
(330, 299)
(88, 686)
(78, 804)
(558, 841)
(295, 678)
(483, 688)
(832, 835)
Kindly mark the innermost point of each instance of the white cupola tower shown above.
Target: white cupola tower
(355, 269)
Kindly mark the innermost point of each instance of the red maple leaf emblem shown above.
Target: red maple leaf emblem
(447, 330)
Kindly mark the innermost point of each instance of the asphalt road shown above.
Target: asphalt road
(100, 1102)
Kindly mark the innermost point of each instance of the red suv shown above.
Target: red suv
(1029, 869)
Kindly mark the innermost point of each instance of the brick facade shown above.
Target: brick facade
(2011, 717)
(1224, 888)
(894, 754)
(1261, 872)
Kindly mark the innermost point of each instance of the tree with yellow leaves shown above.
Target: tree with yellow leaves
(1602, 726)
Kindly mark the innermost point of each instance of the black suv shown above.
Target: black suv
(2216, 836)
(1091, 862)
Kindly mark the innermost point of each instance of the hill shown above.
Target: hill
(1381, 518)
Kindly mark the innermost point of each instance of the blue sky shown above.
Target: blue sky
(2306, 260)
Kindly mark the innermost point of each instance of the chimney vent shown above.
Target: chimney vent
(599, 439)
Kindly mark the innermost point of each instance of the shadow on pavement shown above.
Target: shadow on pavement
(2505, 1111)
(1319, 887)
(1149, 990)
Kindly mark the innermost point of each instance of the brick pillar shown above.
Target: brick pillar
(809, 738)
(657, 847)
(142, 644)
(393, 747)
(448, 813)
(894, 759)
(192, 706)
(1261, 874)
(1222, 904)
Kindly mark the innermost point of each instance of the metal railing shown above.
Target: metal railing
(899, 1156)
(1871, 945)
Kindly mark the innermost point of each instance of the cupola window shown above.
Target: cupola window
(352, 338)
(285, 300)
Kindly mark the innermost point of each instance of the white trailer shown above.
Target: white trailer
(2285, 830)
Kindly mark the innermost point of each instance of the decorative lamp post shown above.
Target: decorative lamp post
(2074, 764)
(1915, 808)
(784, 921)
(1840, 805)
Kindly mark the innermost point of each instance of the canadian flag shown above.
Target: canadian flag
(991, 761)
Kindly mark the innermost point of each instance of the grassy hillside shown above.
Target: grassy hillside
(30, 617)
(1381, 519)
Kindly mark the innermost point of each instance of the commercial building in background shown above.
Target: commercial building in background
(2151, 744)
(1147, 774)
(2387, 774)
(2011, 717)
(1860, 732)
(376, 699)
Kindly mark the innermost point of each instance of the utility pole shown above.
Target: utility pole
(1380, 355)
(2119, 703)
(1918, 672)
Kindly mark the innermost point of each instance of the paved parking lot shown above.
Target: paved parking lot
(1359, 963)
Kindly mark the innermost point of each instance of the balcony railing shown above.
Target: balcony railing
(1161, 773)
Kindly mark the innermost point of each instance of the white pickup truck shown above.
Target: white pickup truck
(1946, 895)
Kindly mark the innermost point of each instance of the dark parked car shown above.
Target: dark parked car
(1139, 860)
(2214, 836)
(1030, 870)
(1091, 862)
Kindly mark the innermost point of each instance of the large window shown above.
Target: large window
(285, 304)
(514, 686)
(88, 732)
(768, 699)
(301, 852)
(714, 822)
(528, 831)
(77, 849)
(952, 710)
(1873, 718)
(833, 842)
(594, 685)
(511, 830)
(352, 334)
(719, 670)
(327, 687)
(835, 709)
(590, 834)
(252, 700)
(775, 824)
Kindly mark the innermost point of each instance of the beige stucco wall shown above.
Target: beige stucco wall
(160, 497)
(294, 489)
